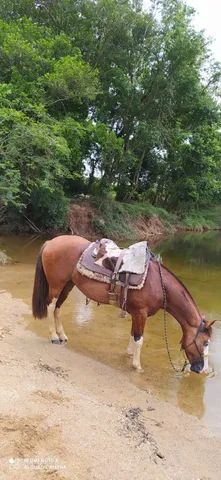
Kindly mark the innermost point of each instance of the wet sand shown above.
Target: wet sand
(66, 416)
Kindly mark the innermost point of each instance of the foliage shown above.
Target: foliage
(50, 208)
(203, 219)
(120, 217)
(103, 97)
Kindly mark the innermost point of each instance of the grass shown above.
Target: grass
(147, 210)
(205, 219)
(116, 219)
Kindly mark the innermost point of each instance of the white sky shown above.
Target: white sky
(208, 18)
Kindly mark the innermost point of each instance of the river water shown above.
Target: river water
(100, 333)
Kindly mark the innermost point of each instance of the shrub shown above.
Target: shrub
(49, 209)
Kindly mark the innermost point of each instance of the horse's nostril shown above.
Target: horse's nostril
(198, 366)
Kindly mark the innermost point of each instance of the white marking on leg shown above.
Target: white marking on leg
(131, 346)
(136, 356)
(59, 326)
(52, 327)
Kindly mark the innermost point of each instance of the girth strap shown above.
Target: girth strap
(125, 292)
(117, 266)
(113, 294)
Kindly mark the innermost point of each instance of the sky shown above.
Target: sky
(208, 18)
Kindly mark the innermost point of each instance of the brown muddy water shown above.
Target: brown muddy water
(100, 333)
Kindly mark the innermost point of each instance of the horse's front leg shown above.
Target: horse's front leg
(138, 324)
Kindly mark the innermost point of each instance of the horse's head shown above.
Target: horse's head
(195, 349)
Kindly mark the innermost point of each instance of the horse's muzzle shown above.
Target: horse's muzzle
(197, 366)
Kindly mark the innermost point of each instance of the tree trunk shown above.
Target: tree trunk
(91, 176)
(136, 175)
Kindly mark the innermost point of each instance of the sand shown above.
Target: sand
(65, 416)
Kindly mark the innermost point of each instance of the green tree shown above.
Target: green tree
(98, 96)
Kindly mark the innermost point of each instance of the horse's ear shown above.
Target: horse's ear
(209, 324)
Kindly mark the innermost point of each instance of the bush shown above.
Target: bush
(118, 218)
(49, 209)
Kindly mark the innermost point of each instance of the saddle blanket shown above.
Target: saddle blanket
(135, 261)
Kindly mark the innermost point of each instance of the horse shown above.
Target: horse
(56, 274)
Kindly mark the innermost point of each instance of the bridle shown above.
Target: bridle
(200, 329)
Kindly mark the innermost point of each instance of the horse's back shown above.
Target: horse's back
(60, 255)
(66, 241)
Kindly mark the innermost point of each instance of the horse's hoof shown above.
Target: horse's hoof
(56, 341)
(63, 340)
(138, 369)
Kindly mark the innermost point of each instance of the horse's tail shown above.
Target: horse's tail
(40, 290)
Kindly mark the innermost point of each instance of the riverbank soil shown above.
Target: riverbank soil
(83, 219)
(65, 416)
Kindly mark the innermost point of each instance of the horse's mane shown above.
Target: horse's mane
(184, 286)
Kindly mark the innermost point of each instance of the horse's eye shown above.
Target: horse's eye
(206, 343)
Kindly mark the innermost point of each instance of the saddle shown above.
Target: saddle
(122, 269)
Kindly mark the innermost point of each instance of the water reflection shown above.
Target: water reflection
(99, 332)
(190, 394)
(83, 315)
(196, 259)
(197, 249)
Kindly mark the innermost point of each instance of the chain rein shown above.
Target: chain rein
(177, 370)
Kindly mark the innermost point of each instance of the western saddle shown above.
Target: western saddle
(122, 269)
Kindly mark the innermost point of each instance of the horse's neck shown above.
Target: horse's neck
(180, 303)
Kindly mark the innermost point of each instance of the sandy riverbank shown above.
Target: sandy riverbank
(65, 416)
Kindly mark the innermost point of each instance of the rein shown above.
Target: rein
(177, 370)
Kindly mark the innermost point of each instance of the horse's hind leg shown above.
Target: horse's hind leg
(51, 316)
(57, 320)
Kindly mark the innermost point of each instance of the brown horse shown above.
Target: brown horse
(56, 275)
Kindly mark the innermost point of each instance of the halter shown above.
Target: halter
(200, 328)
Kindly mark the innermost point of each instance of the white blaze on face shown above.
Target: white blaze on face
(206, 358)
(206, 364)
(206, 350)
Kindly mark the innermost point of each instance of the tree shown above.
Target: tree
(98, 96)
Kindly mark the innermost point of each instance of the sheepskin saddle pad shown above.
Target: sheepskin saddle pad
(104, 261)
